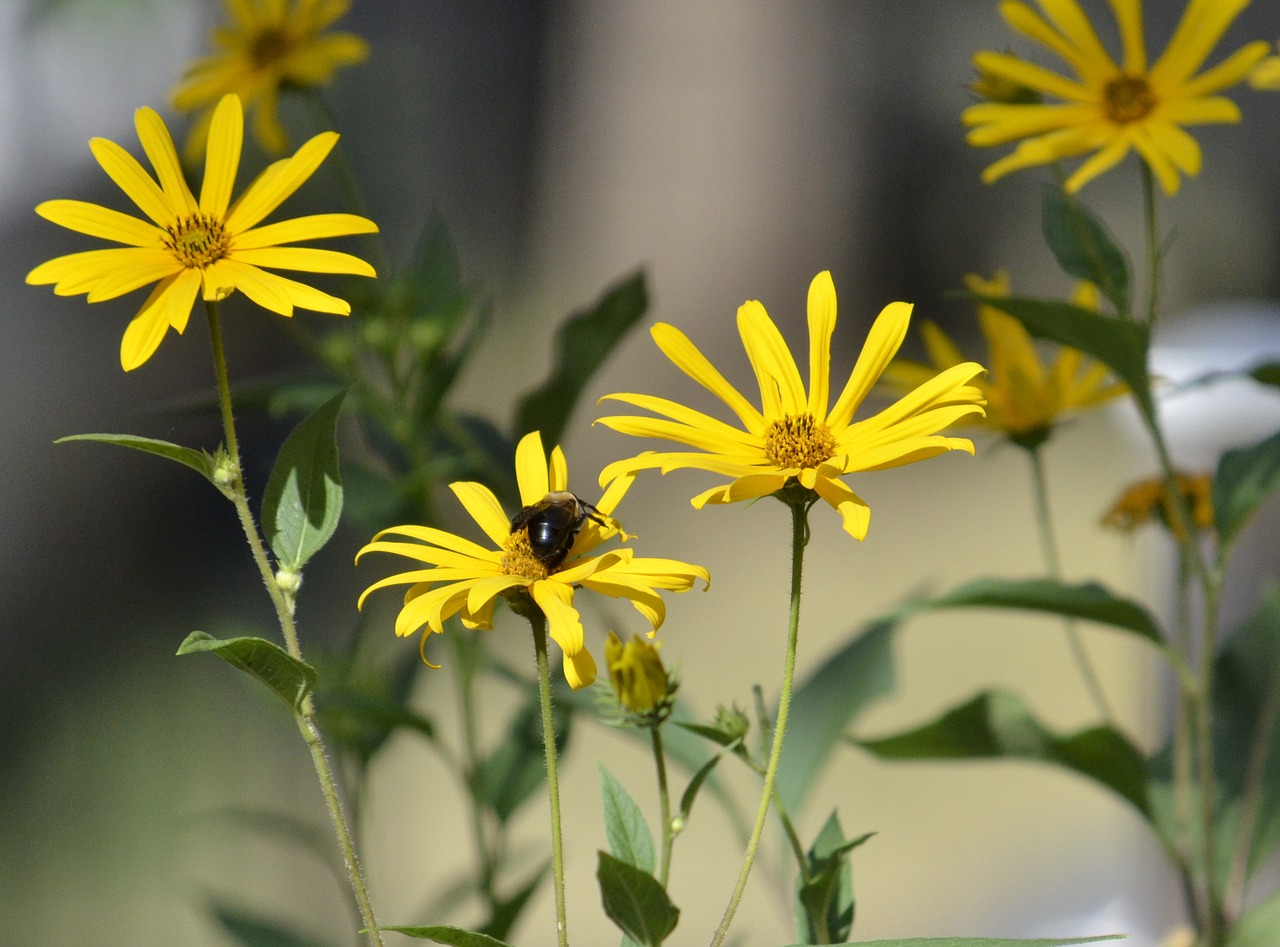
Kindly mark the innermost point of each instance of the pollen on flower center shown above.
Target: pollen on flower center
(1128, 99)
(268, 47)
(798, 441)
(197, 240)
(518, 558)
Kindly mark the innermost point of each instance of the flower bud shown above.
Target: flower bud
(637, 675)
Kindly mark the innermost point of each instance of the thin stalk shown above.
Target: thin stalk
(1183, 750)
(539, 624)
(1049, 547)
(1153, 243)
(304, 716)
(799, 539)
(471, 767)
(1250, 799)
(664, 806)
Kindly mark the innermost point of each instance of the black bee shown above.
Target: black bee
(553, 524)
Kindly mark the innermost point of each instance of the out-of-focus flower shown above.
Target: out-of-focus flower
(208, 247)
(1025, 397)
(797, 437)
(1148, 500)
(1266, 75)
(467, 578)
(1111, 107)
(269, 45)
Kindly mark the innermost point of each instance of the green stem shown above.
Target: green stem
(664, 806)
(304, 716)
(471, 765)
(1153, 243)
(539, 624)
(799, 538)
(1183, 751)
(1049, 547)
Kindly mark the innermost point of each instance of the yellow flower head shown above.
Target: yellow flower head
(1025, 397)
(637, 676)
(798, 436)
(1147, 499)
(465, 577)
(1111, 107)
(269, 45)
(208, 247)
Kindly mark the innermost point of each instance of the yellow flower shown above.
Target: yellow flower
(270, 45)
(1266, 75)
(1111, 107)
(208, 247)
(465, 577)
(797, 437)
(637, 675)
(1025, 397)
(1149, 498)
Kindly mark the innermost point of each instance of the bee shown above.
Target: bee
(553, 523)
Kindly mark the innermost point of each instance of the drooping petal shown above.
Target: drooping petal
(565, 628)
(148, 327)
(855, 514)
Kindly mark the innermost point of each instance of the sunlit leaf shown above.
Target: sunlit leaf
(452, 936)
(629, 837)
(199, 461)
(635, 901)
(287, 677)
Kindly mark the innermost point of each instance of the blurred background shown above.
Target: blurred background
(731, 149)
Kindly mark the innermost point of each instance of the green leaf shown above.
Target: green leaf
(982, 941)
(1120, 344)
(998, 725)
(303, 497)
(824, 906)
(506, 911)
(1088, 600)
(635, 901)
(198, 460)
(1268, 373)
(582, 345)
(517, 768)
(1245, 478)
(453, 936)
(701, 776)
(1260, 927)
(1084, 247)
(287, 677)
(827, 701)
(624, 825)
(251, 930)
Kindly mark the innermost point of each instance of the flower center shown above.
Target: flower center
(798, 441)
(518, 558)
(197, 240)
(268, 47)
(1128, 99)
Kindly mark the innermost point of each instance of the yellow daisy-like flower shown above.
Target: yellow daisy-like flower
(797, 436)
(269, 45)
(465, 577)
(1025, 397)
(1111, 106)
(208, 247)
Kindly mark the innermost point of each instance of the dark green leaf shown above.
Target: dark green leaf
(303, 497)
(287, 677)
(982, 941)
(517, 768)
(635, 901)
(996, 724)
(700, 777)
(624, 825)
(824, 906)
(253, 931)
(1260, 927)
(1245, 478)
(826, 702)
(1120, 344)
(453, 936)
(1084, 247)
(1268, 373)
(507, 910)
(1089, 601)
(582, 345)
(199, 461)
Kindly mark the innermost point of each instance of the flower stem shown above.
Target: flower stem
(1049, 546)
(304, 716)
(799, 539)
(664, 806)
(1153, 243)
(539, 624)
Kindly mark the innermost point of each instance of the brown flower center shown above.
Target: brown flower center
(197, 240)
(1128, 99)
(518, 558)
(269, 47)
(798, 441)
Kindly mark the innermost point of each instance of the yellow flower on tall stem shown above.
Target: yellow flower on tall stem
(1111, 107)
(269, 45)
(208, 247)
(799, 437)
(1025, 396)
(465, 577)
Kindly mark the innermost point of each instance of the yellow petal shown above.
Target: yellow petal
(222, 156)
(153, 320)
(103, 222)
(158, 145)
(557, 471)
(883, 342)
(275, 185)
(686, 357)
(781, 390)
(565, 628)
(313, 227)
(531, 469)
(305, 259)
(855, 514)
(133, 180)
(485, 509)
(822, 323)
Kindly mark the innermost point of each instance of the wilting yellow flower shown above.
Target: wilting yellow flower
(1266, 75)
(1147, 499)
(637, 675)
(1111, 107)
(208, 247)
(797, 437)
(465, 577)
(269, 45)
(1025, 397)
